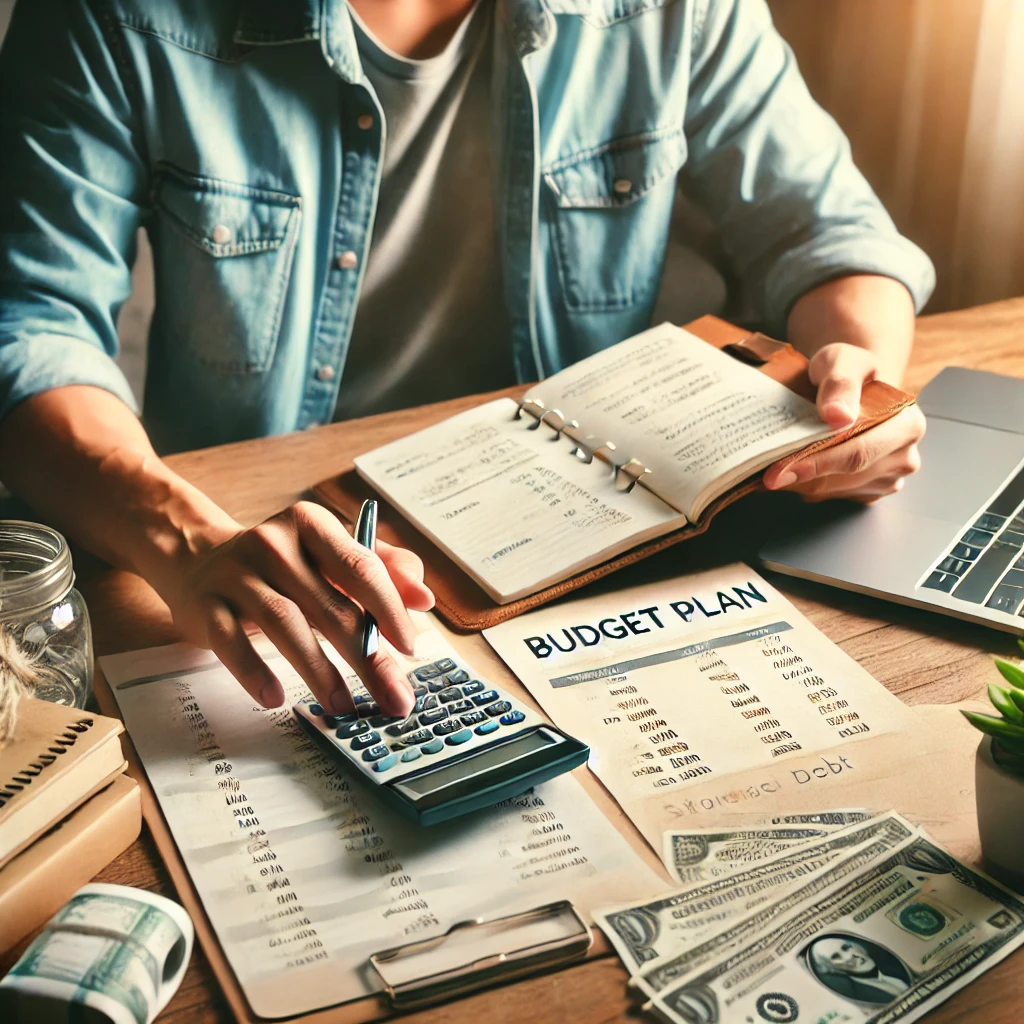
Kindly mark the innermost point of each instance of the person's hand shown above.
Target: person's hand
(298, 571)
(866, 467)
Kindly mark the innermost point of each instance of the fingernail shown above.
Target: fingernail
(270, 697)
(787, 478)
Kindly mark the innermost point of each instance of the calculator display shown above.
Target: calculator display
(488, 758)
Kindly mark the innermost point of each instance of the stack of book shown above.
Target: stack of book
(66, 810)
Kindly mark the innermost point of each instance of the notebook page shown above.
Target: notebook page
(690, 413)
(301, 870)
(511, 505)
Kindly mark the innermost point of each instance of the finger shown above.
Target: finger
(227, 639)
(406, 570)
(356, 571)
(840, 372)
(287, 629)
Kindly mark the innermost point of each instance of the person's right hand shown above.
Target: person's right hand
(298, 571)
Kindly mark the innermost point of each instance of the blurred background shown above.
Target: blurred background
(931, 95)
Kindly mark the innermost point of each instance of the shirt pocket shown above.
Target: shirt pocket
(223, 256)
(610, 208)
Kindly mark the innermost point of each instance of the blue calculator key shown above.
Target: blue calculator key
(368, 710)
(335, 720)
(460, 675)
(450, 694)
(423, 736)
(498, 709)
(411, 755)
(350, 729)
(364, 740)
(419, 688)
(512, 718)
(489, 726)
(473, 686)
(427, 672)
(432, 747)
(378, 720)
(437, 684)
(459, 737)
(430, 717)
(402, 727)
(473, 718)
(386, 762)
(445, 665)
(315, 709)
(448, 727)
(459, 706)
(362, 698)
(485, 698)
(429, 703)
(376, 753)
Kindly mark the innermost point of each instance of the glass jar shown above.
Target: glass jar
(47, 616)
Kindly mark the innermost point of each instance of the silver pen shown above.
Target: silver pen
(366, 535)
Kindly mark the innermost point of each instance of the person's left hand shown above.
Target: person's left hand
(866, 467)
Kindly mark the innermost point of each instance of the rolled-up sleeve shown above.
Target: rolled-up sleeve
(72, 189)
(774, 171)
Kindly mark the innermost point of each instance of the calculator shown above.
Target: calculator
(466, 744)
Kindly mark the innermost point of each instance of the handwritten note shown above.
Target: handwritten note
(303, 872)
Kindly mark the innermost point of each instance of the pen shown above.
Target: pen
(366, 535)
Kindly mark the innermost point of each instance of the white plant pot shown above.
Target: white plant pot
(1000, 800)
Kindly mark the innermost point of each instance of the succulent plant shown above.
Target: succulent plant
(1006, 728)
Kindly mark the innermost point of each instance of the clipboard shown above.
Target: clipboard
(520, 959)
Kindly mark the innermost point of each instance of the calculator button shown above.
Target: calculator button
(489, 726)
(512, 718)
(333, 720)
(473, 686)
(402, 727)
(445, 665)
(436, 685)
(473, 718)
(429, 703)
(432, 747)
(419, 688)
(459, 737)
(460, 675)
(350, 729)
(427, 672)
(376, 753)
(368, 710)
(459, 706)
(447, 696)
(386, 762)
(362, 698)
(378, 720)
(315, 709)
(448, 727)
(485, 698)
(423, 736)
(430, 717)
(411, 755)
(498, 709)
(366, 739)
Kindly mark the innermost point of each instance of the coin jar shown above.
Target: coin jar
(46, 615)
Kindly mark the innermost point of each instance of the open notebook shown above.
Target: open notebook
(605, 462)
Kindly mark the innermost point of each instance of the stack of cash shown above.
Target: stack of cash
(828, 916)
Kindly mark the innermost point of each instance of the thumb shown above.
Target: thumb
(840, 372)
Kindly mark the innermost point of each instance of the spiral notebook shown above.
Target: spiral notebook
(613, 458)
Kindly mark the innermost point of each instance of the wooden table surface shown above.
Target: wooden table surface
(922, 657)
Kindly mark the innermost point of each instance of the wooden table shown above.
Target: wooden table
(922, 657)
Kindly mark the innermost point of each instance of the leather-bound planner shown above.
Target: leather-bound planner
(519, 500)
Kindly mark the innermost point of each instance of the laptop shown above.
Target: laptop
(952, 540)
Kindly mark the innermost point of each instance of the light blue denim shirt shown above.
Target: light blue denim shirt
(235, 132)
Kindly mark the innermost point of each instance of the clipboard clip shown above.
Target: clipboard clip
(480, 952)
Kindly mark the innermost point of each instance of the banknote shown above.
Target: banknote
(119, 951)
(700, 855)
(837, 817)
(645, 931)
(886, 944)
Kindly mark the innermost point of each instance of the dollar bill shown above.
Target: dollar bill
(644, 932)
(885, 944)
(838, 817)
(700, 855)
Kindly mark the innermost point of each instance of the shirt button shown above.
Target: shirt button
(325, 373)
(622, 186)
(365, 121)
(348, 260)
(221, 234)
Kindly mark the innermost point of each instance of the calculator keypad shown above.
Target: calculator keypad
(452, 709)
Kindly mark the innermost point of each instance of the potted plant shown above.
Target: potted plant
(999, 777)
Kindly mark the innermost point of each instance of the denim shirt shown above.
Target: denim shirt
(236, 133)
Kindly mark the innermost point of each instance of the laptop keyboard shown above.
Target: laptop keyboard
(986, 564)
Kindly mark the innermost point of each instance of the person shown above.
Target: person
(358, 206)
(847, 968)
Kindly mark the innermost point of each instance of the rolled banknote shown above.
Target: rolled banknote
(643, 932)
(119, 951)
(886, 944)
